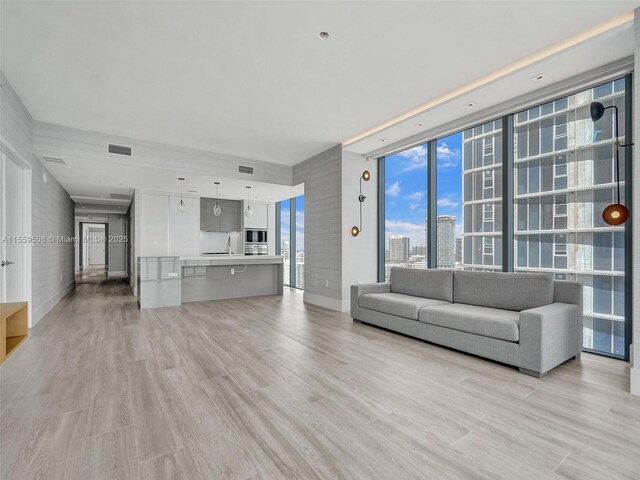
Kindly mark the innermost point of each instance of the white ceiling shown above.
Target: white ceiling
(254, 79)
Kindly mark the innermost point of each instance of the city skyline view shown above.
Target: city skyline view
(406, 189)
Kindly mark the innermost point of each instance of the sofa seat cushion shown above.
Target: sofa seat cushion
(485, 321)
(397, 304)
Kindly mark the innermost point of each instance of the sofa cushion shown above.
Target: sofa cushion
(428, 283)
(508, 291)
(488, 322)
(397, 304)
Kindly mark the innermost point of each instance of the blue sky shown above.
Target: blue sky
(406, 188)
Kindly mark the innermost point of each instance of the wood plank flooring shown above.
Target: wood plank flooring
(269, 388)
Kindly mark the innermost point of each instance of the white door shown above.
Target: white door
(96, 248)
(11, 232)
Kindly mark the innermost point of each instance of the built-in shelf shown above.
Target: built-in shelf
(14, 327)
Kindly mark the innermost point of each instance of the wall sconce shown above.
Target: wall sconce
(366, 176)
(616, 213)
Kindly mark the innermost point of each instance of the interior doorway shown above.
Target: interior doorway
(15, 230)
(92, 246)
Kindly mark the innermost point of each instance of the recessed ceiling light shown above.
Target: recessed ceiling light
(540, 76)
(471, 104)
(419, 124)
(382, 139)
(324, 35)
(192, 191)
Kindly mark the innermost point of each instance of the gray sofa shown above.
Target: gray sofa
(527, 320)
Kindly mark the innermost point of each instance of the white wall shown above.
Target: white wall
(51, 210)
(359, 254)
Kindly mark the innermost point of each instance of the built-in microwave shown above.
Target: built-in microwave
(255, 236)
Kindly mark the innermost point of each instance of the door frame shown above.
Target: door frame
(27, 172)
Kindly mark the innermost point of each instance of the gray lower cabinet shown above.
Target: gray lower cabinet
(229, 219)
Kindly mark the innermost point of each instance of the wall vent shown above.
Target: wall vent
(120, 150)
(245, 169)
(54, 160)
(120, 196)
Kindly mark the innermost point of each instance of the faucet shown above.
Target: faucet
(229, 245)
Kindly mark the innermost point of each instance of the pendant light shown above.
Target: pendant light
(181, 205)
(366, 176)
(248, 212)
(217, 209)
(616, 213)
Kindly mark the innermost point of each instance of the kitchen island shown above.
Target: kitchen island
(171, 281)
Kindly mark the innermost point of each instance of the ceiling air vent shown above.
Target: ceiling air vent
(120, 150)
(120, 196)
(245, 169)
(54, 160)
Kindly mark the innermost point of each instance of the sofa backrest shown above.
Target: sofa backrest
(507, 291)
(428, 283)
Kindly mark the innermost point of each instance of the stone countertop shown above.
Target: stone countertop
(203, 260)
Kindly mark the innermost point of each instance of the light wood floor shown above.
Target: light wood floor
(271, 388)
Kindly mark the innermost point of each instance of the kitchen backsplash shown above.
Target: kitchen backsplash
(217, 242)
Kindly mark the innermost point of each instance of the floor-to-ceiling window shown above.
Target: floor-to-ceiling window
(564, 176)
(405, 196)
(291, 228)
(482, 197)
(299, 232)
(285, 238)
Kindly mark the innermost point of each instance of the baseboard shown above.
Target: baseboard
(41, 310)
(635, 381)
(321, 301)
(117, 273)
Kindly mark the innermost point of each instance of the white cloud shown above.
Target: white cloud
(393, 190)
(416, 196)
(448, 157)
(446, 202)
(415, 158)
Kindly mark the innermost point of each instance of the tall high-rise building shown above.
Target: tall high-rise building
(285, 249)
(446, 230)
(482, 197)
(399, 249)
(564, 176)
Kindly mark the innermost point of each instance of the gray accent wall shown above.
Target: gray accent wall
(52, 210)
(322, 178)
(333, 259)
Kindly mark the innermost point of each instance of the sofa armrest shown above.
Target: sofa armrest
(550, 335)
(361, 289)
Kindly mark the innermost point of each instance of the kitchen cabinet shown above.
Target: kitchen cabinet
(230, 217)
(228, 221)
(184, 235)
(260, 218)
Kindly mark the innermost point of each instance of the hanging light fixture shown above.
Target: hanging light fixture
(616, 213)
(248, 212)
(366, 176)
(181, 205)
(217, 209)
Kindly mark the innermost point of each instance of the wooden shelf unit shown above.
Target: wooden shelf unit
(14, 327)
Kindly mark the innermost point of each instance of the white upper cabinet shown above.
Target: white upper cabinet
(260, 218)
(184, 228)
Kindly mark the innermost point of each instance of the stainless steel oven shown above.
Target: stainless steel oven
(255, 236)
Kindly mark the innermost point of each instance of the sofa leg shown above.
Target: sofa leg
(577, 357)
(532, 373)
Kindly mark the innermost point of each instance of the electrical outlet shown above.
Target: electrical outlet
(233, 271)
